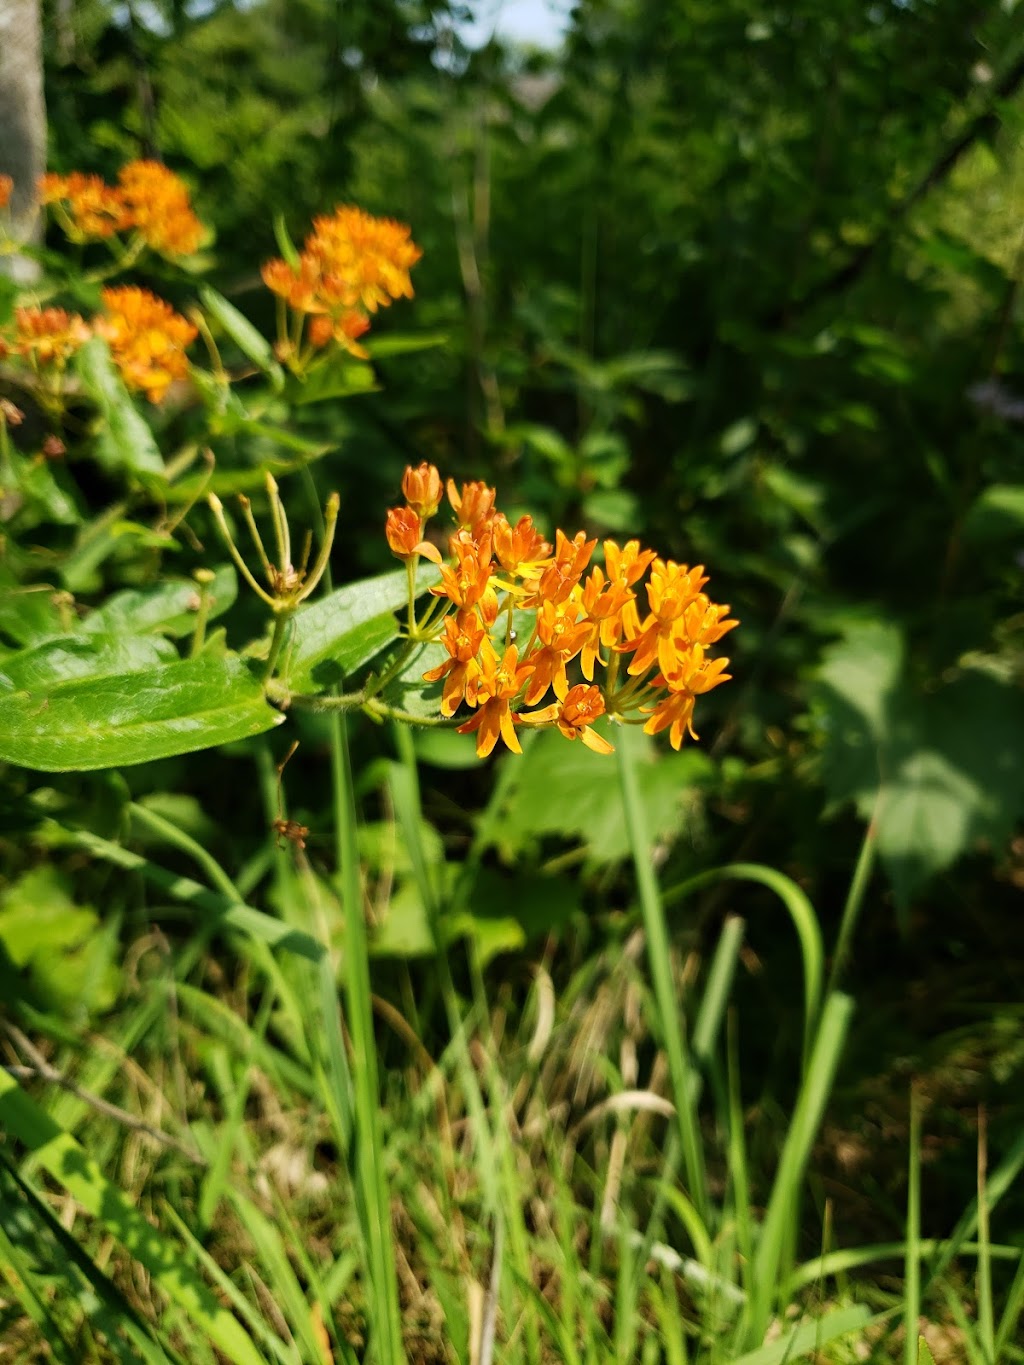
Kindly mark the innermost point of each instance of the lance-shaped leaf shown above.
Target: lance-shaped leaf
(124, 441)
(344, 630)
(114, 721)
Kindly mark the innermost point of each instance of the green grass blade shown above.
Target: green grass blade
(368, 1149)
(808, 1337)
(801, 912)
(1012, 1309)
(284, 1352)
(717, 987)
(671, 1023)
(769, 1269)
(912, 1254)
(64, 1158)
(272, 1253)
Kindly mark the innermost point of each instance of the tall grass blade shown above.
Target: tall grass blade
(809, 1337)
(801, 912)
(671, 1022)
(67, 1161)
(368, 1147)
(770, 1272)
(912, 1254)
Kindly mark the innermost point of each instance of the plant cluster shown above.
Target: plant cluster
(500, 576)
(351, 264)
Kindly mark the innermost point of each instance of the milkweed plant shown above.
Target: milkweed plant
(491, 626)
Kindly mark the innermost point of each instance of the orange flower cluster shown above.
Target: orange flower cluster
(6, 190)
(642, 667)
(351, 264)
(147, 339)
(148, 200)
(48, 336)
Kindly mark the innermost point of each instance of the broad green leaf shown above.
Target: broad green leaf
(864, 669)
(953, 776)
(408, 692)
(123, 439)
(71, 657)
(996, 516)
(344, 630)
(938, 771)
(175, 708)
(71, 1166)
(67, 954)
(562, 788)
(168, 609)
(858, 679)
(247, 338)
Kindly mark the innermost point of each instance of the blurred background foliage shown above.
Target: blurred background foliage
(740, 278)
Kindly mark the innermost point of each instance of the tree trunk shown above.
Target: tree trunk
(22, 123)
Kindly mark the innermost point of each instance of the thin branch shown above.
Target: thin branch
(41, 1069)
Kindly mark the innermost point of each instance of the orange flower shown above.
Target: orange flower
(364, 262)
(470, 580)
(565, 570)
(692, 678)
(574, 717)
(404, 531)
(463, 636)
(493, 690)
(474, 505)
(94, 208)
(562, 637)
(422, 489)
(48, 335)
(520, 549)
(610, 610)
(157, 205)
(671, 589)
(147, 339)
(296, 286)
(351, 265)
(343, 329)
(6, 189)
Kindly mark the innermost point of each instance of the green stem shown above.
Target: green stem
(670, 1019)
(854, 899)
(281, 620)
(369, 1173)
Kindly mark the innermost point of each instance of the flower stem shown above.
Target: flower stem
(672, 1024)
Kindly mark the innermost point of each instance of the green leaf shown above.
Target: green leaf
(858, 679)
(403, 343)
(284, 241)
(333, 378)
(123, 439)
(563, 788)
(808, 1337)
(169, 608)
(937, 771)
(27, 614)
(69, 957)
(249, 341)
(175, 708)
(78, 657)
(344, 630)
(924, 1355)
(997, 515)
